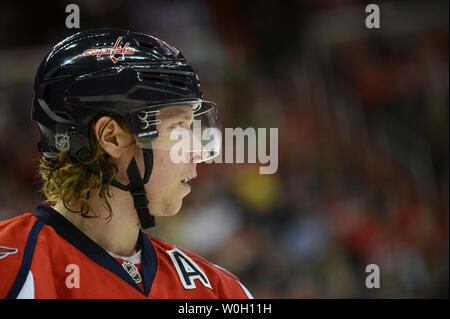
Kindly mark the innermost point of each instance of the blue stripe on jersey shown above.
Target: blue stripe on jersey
(26, 260)
(149, 262)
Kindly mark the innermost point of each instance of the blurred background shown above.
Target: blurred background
(362, 118)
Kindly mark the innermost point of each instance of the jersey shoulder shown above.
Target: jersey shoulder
(187, 263)
(14, 235)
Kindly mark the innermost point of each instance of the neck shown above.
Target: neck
(119, 234)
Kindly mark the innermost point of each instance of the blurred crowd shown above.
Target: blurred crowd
(362, 118)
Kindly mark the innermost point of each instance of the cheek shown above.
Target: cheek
(164, 173)
(164, 188)
(161, 166)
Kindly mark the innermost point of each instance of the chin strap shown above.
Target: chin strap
(136, 185)
(137, 190)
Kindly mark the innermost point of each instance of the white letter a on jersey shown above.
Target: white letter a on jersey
(187, 269)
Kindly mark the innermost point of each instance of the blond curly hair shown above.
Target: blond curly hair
(71, 181)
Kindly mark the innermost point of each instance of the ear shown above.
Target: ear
(111, 137)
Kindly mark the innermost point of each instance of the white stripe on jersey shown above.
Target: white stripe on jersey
(27, 291)
(249, 295)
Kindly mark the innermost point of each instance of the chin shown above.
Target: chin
(176, 208)
(170, 208)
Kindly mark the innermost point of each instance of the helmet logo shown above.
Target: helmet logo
(147, 118)
(112, 51)
(62, 141)
(196, 107)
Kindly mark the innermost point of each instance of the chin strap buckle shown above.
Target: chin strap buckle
(140, 199)
(141, 206)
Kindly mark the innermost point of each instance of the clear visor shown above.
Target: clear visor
(190, 131)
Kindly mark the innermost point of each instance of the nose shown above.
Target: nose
(198, 156)
(195, 158)
(197, 152)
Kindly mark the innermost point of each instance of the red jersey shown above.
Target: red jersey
(43, 255)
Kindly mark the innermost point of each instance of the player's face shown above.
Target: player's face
(166, 188)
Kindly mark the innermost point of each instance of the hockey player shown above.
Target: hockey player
(109, 105)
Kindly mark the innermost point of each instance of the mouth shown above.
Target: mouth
(187, 179)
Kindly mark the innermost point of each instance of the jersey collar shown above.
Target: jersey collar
(92, 250)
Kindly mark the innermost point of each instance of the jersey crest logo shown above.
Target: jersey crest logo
(5, 251)
(188, 270)
(132, 270)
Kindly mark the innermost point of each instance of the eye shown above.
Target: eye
(177, 125)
